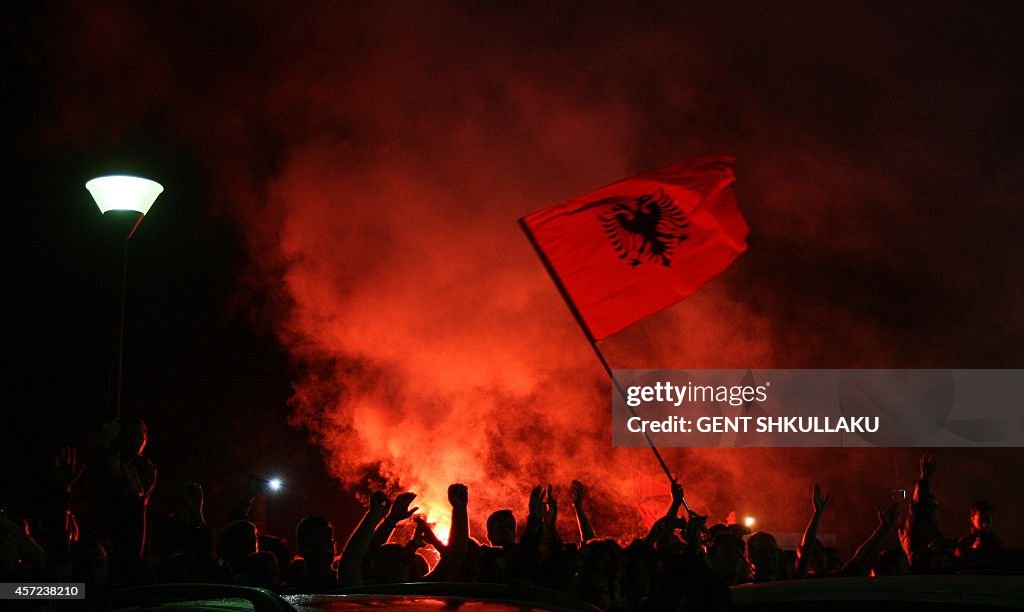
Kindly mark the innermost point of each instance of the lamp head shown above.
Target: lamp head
(123, 192)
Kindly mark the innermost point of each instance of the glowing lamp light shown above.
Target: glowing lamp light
(122, 192)
(749, 521)
(274, 484)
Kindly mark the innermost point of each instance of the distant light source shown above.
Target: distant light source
(123, 192)
(274, 484)
(749, 521)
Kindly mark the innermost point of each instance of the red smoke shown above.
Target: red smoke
(377, 158)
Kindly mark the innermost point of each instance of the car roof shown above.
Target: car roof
(989, 590)
(442, 596)
(417, 603)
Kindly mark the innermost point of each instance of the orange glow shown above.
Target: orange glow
(749, 521)
(441, 530)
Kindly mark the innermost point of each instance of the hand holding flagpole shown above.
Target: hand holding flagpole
(637, 246)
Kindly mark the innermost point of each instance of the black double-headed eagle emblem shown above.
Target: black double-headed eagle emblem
(645, 229)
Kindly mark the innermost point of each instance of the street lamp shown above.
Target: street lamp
(133, 195)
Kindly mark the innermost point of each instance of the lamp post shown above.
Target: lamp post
(133, 195)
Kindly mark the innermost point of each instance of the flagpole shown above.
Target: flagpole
(590, 338)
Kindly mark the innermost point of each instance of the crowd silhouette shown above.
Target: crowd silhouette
(94, 530)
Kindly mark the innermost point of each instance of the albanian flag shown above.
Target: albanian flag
(640, 245)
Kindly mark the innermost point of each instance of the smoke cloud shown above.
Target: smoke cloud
(377, 156)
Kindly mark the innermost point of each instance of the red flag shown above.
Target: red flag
(640, 245)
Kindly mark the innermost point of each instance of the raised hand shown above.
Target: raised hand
(820, 501)
(537, 502)
(66, 469)
(927, 464)
(416, 542)
(378, 505)
(425, 534)
(577, 493)
(677, 494)
(550, 506)
(400, 509)
(458, 495)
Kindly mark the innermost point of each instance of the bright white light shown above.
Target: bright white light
(120, 192)
(749, 521)
(274, 484)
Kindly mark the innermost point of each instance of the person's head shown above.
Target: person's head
(981, 517)
(501, 528)
(276, 547)
(638, 571)
(763, 554)
(262, 569)
(601, 555)
(719, 529)
(391, 564)
(726, 555)
(314, 538)
(90, 560)
(891, 562)
(598, 571)
(131, 439)
(238, 541)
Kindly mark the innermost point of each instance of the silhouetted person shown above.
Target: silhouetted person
(810, 547)
(238, 540)
(579, 493)
(726, 555)
(90, 563)
(392, 563)
(18, 550)
(188, 533)
(980, 538)
(398, 512)
(314, 542)
(501, 528)
(764, 555)
(59, 530)
(448, 568)
(260, 569)
(127, 479)
(639, 573)
(860, 563)
(891, 562)
(496, 558)
(277, 547)
(921, 528)
(596, 577)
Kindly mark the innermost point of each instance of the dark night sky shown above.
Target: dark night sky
(342, 183)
